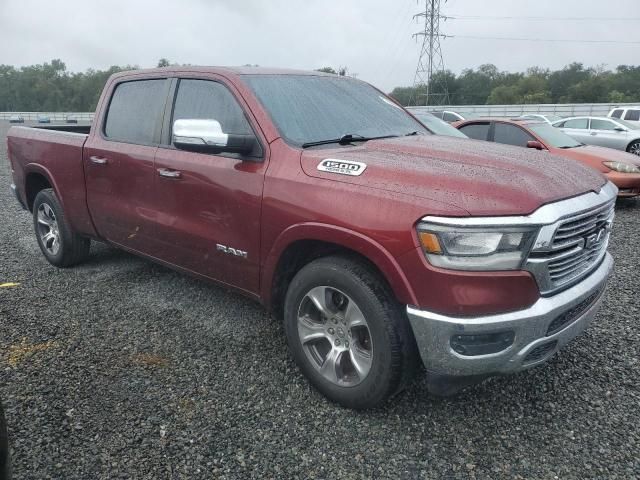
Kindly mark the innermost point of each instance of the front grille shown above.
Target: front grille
(574, 313)
(540, 352)
(579, 243)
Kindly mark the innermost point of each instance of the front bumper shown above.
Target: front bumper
(536, 338)
(15, 191)
(628, 183)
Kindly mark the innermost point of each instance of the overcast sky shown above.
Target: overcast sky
(371, 37)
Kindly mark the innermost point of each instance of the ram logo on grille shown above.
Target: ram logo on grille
(342, 167)
(595, 239)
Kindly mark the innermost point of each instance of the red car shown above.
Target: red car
(622, 168)
(376, 242)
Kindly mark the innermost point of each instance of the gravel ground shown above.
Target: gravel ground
(120, 368)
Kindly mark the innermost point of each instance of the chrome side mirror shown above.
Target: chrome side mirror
(206, 136)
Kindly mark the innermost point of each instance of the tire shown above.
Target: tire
(60, 245)
(634, 147)
(361, 350)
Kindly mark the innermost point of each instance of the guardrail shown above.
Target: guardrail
(560, 109)
(53, 116)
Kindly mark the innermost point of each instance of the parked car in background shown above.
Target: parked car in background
(44, 119)
(5, 462)
(630, 114)
(538, 116)
(447, 115)
(16, 119)
(622, 168)
(72, 119)
(603, 131)
(438, 126)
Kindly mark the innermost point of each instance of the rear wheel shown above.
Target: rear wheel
(60, 245)
(634, 147)
(347, 333)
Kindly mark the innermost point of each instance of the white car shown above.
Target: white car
(603, 132)
(630, 114)
(539, 116)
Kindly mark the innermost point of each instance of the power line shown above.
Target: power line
(453, 16)
(553, 40)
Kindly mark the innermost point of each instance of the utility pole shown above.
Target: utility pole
(430, 61)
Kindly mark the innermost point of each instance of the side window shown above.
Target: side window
(511, 135)
(135, 111)
(580, 123)
(205, 99)
(633, 115)
(479, 131)
(602, 124)
(617, 113)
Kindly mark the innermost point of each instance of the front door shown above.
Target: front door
(119, 165)
(604, 131)
(210, 204)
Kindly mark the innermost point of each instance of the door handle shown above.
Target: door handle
(593, 133)
(98, 160)
(164, 172)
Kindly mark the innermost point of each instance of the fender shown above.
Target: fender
(344, 237)
(44, 171)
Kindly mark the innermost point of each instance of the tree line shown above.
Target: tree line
(487, 85)
(50, 87)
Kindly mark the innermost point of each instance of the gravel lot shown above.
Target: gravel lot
(120, 368)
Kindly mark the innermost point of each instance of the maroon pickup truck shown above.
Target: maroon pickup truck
(378, 243)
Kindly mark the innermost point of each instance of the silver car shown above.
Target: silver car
(539, 116)
(603, 131)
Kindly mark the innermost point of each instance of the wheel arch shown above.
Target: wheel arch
(301, 244)
(635, 140)
(37, 178)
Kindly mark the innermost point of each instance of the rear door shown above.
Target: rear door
(578, 129)
(604, 133)
(210, 203)
(119, 164)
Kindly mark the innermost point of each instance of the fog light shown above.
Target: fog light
(484, 344)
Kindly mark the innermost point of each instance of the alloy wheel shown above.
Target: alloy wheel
(48, 229)
(335, 336)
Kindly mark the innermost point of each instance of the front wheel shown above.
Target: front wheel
(347, 333)
(60, 245)
(634, 147)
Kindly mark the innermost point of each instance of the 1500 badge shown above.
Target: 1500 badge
(342, 167)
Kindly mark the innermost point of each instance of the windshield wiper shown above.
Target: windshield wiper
(346, 140)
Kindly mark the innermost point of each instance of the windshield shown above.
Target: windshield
(553, 136)
(553, 118)
(439, 127)
(626, 124)
(308, 108)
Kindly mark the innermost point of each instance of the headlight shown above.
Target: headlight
(622, 167)
(476, 248)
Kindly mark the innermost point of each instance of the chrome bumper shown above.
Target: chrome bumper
(433, 332)
(14, 189)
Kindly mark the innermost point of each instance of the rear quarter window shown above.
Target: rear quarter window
(135, 111)
(617, 113)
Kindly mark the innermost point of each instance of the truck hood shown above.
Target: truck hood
(482, 178)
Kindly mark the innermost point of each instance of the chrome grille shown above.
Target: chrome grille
(579, 243)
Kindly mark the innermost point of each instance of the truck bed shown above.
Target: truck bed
(54, 155)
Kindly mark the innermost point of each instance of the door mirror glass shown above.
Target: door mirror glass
(535, 144)
(201, 135)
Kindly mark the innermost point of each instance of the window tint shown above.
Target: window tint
(617, 113)
(511, 135)
(479, 131)
(135, 110)
(577, 123)
(602, 124)
(633, 115)
(204, 99)
(450, 117)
